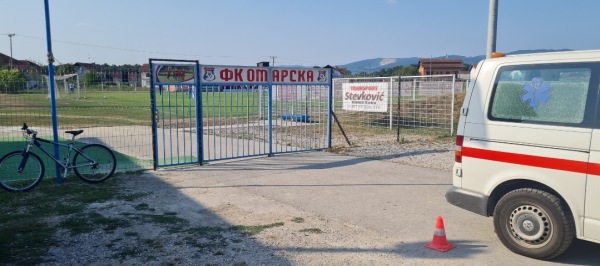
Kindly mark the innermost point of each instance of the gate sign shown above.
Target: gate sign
(174, 73)
(365, 97)
(238, 74)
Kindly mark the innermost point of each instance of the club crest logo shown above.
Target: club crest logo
(209, 74)
(322, 77)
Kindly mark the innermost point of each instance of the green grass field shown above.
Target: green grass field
(95, 108)
(116, 108)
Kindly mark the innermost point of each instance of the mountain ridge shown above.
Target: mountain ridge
(377, 64)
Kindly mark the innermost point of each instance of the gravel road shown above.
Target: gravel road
(211, 222)
(419, 151)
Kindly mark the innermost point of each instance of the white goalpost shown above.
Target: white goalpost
(67, 83)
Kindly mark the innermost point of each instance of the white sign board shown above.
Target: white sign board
(365, 97)
(262, 75)
(184, 74)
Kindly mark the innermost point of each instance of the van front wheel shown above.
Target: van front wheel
(534, 223)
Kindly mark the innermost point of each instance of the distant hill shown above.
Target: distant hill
(377, 64)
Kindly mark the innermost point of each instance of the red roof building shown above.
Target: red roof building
(440, 66)
(22, 65)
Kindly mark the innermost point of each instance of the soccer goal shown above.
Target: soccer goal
(69, 82)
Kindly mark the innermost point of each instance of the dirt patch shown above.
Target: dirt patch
(175, 219)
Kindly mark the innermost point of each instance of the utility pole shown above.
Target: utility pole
(10, 35)
(492, 25)
(273, 57)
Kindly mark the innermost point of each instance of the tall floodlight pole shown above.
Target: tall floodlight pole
(10, 35)
(52, 90)
(492, 25)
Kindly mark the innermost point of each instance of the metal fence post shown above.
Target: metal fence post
(270, 111)
(452, 108)
(199, 116)
(333, 82)
(391, 93)
(414, 91)
(153, 116)
(330, 107)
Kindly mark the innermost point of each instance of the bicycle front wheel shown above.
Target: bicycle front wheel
(95, 163)
(13, 180)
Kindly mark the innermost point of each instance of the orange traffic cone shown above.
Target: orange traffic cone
(439, 241)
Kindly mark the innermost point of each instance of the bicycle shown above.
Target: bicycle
(23, 170)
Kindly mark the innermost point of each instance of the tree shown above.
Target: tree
(411, 70)
(65, 69)
(92, 77)
(12, 81)
(466, 67)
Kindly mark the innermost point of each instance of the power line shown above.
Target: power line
(135, 50)
(163, 53)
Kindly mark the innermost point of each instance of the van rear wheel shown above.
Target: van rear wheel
(534, 223)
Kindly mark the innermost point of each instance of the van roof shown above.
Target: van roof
(584, 55)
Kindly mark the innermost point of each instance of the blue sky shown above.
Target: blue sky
(306, 32)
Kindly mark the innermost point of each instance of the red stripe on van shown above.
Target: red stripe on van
(531, 160)
(594, 169)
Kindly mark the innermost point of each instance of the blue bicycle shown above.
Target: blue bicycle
(23, 170)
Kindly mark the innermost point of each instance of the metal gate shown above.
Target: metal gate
(239, 111)
(175, 113)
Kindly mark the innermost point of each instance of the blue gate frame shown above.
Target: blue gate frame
(174, 113)
(207, 113)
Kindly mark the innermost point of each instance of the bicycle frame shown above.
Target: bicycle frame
(35, 141)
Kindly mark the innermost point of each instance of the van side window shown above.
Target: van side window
(540, 94)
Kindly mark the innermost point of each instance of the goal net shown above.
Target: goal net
(69, 83)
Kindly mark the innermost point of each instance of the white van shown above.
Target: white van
(528, 150)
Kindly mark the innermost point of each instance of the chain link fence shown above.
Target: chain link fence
(387, 108)
(112, 107)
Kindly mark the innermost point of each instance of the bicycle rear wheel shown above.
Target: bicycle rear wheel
(13, 180)
(95, 163)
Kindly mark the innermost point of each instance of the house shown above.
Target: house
(32, 71)
(110, 75)
(83, 68)
(437, 66)
(130, 77)
(145, 75)
(23, 65)
(338, 72)
(107, 77)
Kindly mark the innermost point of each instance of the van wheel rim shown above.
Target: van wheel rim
(531, 225)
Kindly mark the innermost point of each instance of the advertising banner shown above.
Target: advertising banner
(365, 97)
(173, 74)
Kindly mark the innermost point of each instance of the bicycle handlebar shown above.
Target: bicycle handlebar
(29, 131)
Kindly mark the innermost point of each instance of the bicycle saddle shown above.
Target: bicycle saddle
(75, 132)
